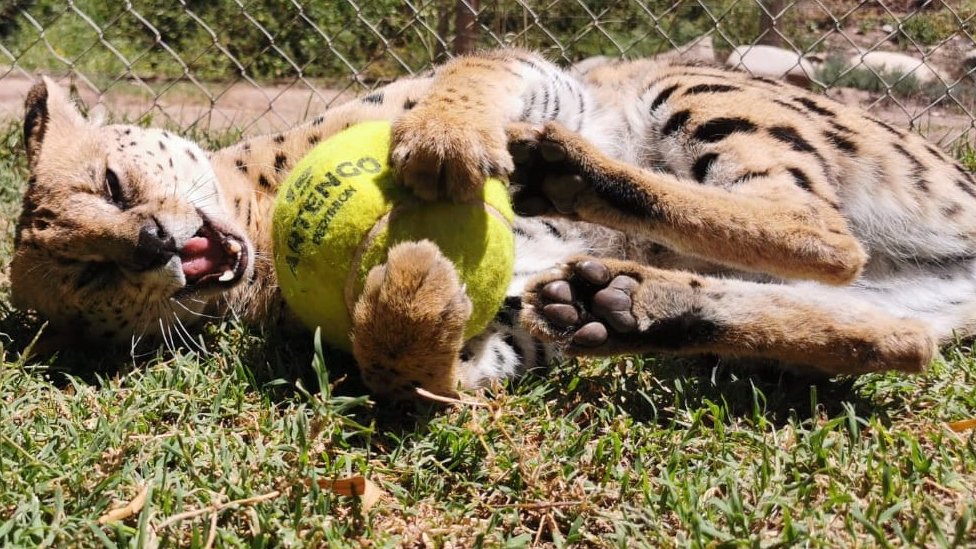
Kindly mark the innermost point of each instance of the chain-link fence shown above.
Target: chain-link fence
(258, 65)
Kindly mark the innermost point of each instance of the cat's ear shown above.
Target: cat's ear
(47, 111)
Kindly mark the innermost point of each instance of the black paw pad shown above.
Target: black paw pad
(522, 151)
(561, 314)
(591, 334)
(613, 304)
(562, 191)
(529, 205)
(558, 291)
(591, 303)
(594, 272)
(552, 151)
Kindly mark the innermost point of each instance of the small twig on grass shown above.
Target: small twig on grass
(127, 510)
(212, 536)
(537, 505)
(217, 508)
(447, 400)
(936, 486)
(541, 529)
(368, 493)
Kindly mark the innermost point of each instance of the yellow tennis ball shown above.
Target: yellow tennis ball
(339, 212)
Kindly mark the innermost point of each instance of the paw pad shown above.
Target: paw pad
(590, 303)
(613, 304)
(591, 334)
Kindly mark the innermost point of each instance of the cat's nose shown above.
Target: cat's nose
(155, 247)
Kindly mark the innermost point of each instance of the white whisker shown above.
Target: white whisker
(163, 331)
(230, 307)
(195, 313)
(184, 334)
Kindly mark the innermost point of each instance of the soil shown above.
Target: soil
(211, 107)
(256, 109)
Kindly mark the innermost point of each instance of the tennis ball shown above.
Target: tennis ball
(339, 212)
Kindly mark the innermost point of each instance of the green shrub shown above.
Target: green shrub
(837, 72)
(924, 28)
(218, 39)
(374, 40)
(965, 151)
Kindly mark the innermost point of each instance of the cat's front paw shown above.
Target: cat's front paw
(554, 169)
(408, 324)
(447, 155)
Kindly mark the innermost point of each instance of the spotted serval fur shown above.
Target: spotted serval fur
(720, 213)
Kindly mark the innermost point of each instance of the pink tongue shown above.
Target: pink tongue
(202, 256)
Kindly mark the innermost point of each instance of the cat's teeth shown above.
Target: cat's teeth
(227, 276)
(233, 247)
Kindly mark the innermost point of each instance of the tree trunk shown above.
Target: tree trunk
(771, 22)
(443, 27)
(465, 26)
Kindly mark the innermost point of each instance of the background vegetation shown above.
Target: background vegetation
(378, 40)
(271, 38)
(268, 39)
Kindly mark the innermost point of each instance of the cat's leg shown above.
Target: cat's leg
(768, 224)
(595, 306)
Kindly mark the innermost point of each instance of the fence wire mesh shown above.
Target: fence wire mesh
(261, 65)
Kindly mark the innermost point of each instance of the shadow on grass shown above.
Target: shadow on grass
(659, 389)
(279, 364)
(275, 362)
(22, 337)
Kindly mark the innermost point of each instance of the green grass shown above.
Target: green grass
(624, 452)
(965, 151)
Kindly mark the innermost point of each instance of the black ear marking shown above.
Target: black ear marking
(35, 121)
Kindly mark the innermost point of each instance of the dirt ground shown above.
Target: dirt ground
(261, 109)
(241, 105)
(943, 125)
